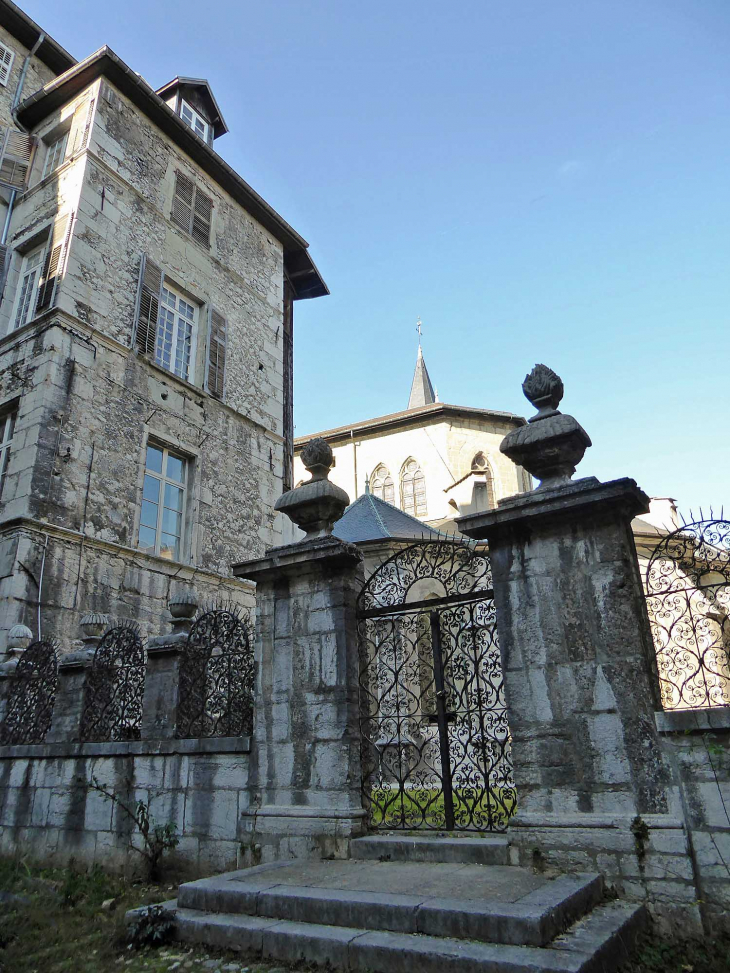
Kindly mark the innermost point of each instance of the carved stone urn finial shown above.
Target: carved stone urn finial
(316, 505)
(552, 444)
(544, 388)
(19, 638)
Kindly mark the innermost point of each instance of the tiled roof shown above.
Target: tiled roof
(369, 518)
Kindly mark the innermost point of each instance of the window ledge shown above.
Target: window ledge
(693, 720)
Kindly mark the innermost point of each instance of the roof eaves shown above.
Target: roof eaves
(408, 417)
(27, 31)
(105, 62)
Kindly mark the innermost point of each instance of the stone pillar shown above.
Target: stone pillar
(305, 758)
(68, 708)
(162, 676)
(577, 653)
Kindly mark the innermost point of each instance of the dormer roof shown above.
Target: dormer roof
(203, 90)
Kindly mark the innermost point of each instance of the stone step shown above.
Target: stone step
(493, 903)
(596, 944)
(490, 850)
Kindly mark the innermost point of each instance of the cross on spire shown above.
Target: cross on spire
(418, 329)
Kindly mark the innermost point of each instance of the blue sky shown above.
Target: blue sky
(539, 181)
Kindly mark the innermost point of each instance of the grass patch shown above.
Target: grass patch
(422, 807)
(51, 919)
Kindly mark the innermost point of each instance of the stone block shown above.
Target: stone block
(212, 814)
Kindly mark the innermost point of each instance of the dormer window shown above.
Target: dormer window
(194, 119)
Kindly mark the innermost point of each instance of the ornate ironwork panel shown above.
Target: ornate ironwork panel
(115, 686)
(687, 586)
(31, 695)
(216, 676)
(436, 750)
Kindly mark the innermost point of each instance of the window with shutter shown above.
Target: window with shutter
(6, 64)
(16, 160)
(148, 306)
(216, 372)
(53, 265)
(192, 209)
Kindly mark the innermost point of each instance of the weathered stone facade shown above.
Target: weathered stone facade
(87, 400)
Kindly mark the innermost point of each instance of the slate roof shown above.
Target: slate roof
(371, 519)
(421, 389)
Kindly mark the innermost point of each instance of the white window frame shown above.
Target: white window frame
(7, 57)
(179, 321)
(27, 296)
(195, 120)
(163, 479)
(55, 156)
(7, 433)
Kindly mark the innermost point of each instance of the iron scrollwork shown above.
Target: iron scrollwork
(687, 587)
(115, 687)
(216, 676)
(32, 695)
(436, 747)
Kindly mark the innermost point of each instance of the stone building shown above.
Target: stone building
(146, 342)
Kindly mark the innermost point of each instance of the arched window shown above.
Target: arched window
(381, 484)
(413, 489)
(483, 492)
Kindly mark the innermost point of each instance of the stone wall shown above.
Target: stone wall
(49, 813)
(698, 745)
(50, 805)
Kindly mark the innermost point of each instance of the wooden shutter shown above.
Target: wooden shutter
(144, 335)
(54, 263)
(4, 260)
(16, 159)
(182, 202)
(215, 375)
(202, 215)
(6, 64)
(81, 126)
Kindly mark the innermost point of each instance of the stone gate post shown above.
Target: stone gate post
(305, 753)
(578, 657)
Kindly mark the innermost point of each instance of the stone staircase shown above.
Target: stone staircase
(401, 904)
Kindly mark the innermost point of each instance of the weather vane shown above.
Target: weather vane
(418, 329)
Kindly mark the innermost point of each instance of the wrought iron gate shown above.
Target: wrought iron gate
(433, 719)
(687, 587)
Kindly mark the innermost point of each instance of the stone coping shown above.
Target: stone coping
(127, 748)
(566, 500)
(295, 556)
(576, 819)
(693, 720)
(300, 811)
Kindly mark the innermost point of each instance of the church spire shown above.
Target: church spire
(421, 390)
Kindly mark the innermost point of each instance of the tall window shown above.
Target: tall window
(413, 489)
(163, 504)
(30, 272)
(176, 333)
(194, 119)
(55, 154)
(382, 485)
(483, 492)
(7, 430)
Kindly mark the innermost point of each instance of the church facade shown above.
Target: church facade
(434, 461)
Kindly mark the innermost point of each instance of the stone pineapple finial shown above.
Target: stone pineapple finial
(552, 444)
(316, 505)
